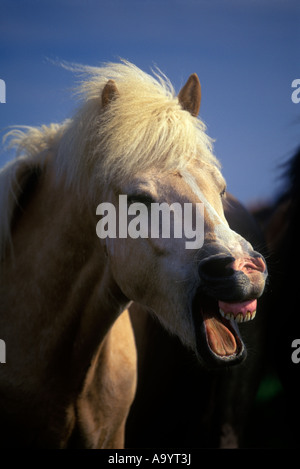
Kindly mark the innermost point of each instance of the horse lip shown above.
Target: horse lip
(235, 289)
(204, 351)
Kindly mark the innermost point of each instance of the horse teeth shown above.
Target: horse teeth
(239, 317)
(229, 316)
(248, 316)
(253, 315)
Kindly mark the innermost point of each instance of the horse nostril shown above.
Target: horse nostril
(216, 267)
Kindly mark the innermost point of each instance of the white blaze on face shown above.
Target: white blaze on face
(223, 234)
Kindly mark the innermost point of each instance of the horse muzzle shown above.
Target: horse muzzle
(233, 279)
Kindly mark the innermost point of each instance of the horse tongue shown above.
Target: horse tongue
(220, 339)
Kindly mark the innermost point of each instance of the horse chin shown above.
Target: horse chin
(219, 343)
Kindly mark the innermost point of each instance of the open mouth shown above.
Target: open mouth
(219, 341)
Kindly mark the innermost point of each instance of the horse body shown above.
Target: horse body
(50, 317)
(70, 374)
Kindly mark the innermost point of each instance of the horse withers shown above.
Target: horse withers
(70, 372)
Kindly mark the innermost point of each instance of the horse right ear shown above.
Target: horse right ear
(110, 92)
(190, 95)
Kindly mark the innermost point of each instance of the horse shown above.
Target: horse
(281, 232)
(70, 373)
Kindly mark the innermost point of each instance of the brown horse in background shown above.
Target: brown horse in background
(70, 372)
(281, 228)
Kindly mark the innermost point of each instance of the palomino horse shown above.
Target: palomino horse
(70, 371)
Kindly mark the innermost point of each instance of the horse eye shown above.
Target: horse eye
(223, 192)
(140, 198)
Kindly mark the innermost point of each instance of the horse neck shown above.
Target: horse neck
(76, 221)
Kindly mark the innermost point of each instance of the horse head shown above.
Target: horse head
(202, 292)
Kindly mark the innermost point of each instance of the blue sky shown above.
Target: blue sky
(245, 52)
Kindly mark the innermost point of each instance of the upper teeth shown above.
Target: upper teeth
(238, 317)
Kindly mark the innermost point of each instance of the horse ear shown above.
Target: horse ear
(190, 95)
(110, 92)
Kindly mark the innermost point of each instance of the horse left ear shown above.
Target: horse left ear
(110, 92)
(190, 95)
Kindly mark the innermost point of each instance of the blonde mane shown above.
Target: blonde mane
(144, 127)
